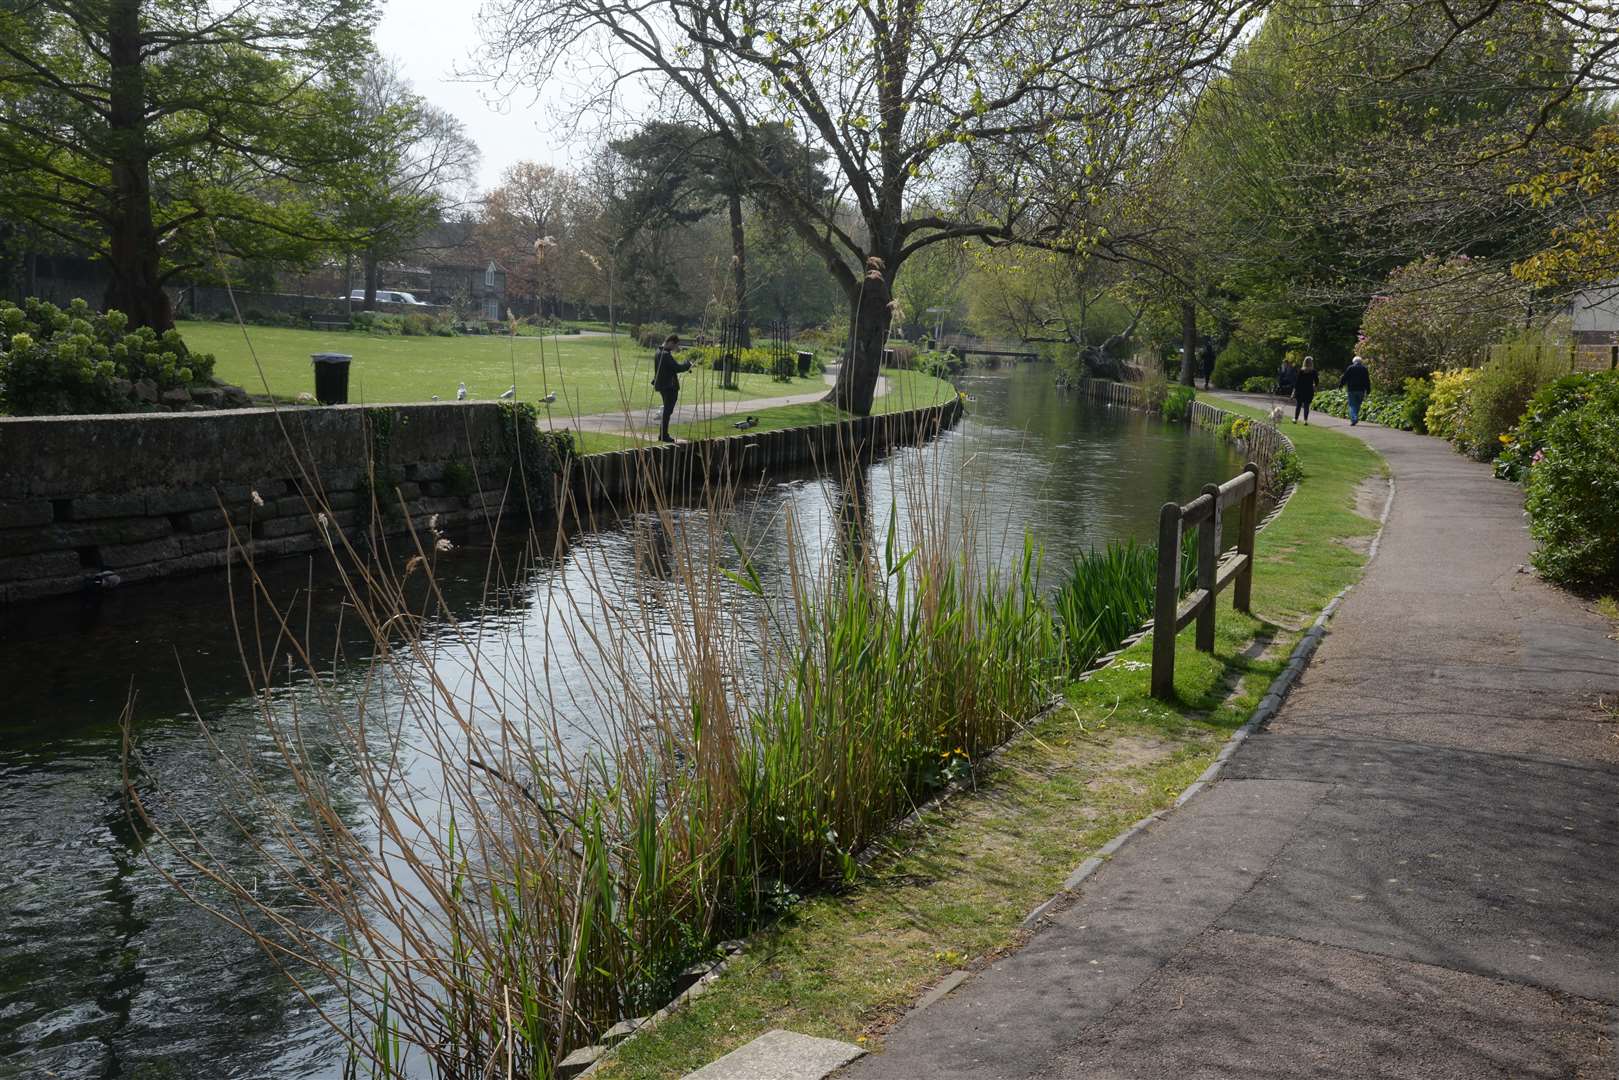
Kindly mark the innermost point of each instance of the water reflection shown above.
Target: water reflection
(106, 972)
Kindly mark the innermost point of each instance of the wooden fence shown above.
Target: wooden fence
(1171, 614)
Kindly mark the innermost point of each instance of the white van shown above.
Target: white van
(387, 296)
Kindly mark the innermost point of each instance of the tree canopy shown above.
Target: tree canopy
(159, 133)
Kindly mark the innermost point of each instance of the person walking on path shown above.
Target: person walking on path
(1304, 384)
(1207, 356)
(1286, 378)
(666, 381)
(1358, 381)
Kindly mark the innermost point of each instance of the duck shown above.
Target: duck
(743, 425)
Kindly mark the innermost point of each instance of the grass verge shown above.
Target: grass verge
(950, 892)
(906, 390)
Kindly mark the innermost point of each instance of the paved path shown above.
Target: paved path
(1414, 872)
(644, 422)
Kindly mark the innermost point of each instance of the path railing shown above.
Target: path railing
(1205, 513)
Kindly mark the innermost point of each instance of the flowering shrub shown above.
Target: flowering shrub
(1526, 442)
(77, 361)
(1497, 398)
(1573, 497)
(1435, 314)
(1448, 403)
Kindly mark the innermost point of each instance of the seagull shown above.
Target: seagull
(461, 392)
(743, 425)
(549, 398)
(435, 397)
(506, 395)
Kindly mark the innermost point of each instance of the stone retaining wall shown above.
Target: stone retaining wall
(606, 484)
(86, 499)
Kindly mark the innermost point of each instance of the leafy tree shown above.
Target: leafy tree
(1345, 142)
(158, 133)
(930, 113)
(1435, 314)
(683, 173)
(1579, 188)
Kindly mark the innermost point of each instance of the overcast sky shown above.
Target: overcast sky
(430, 40)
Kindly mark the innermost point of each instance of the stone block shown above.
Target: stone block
(88, 507)
(781, 1055)
(26, 541)
(291, 525)
(22, 513)
(193, 543)
(114, 556)
(578, 1061)
(179, 500)
(45, 564)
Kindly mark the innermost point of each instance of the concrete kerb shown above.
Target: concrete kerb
(1267, 708)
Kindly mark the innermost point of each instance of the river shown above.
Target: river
(107, 972)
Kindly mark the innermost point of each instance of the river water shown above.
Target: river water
(107, 972)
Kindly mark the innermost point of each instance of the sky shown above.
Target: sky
(430, 40)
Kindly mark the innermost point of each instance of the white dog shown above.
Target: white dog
(1276, 415)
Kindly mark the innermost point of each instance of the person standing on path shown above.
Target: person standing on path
(1207, 356)
(1304, 384)
(666, 381)
(1358, 382)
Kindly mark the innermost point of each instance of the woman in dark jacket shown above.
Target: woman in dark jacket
(1304, 384)
(665, 380)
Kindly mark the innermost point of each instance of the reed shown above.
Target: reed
(471, 865)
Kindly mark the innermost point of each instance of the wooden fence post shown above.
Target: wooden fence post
(1165, 602)
(1247, 525)
(1208, 559)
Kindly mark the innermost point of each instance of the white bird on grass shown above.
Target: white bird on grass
(549, 399)
(506, 395)
(461, 392)
(435, 397)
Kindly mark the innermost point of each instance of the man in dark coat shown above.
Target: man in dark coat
(665, 380)
(1358, 381)
(1207, 356)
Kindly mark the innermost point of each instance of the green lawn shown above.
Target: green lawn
(906, 390)
(589, 374)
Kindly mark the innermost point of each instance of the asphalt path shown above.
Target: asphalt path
(1412, 872)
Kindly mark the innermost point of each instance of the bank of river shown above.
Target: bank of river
(106, 972)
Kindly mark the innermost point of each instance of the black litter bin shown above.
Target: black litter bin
(804, 361)
(331, 377)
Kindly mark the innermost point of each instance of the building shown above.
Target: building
(1596, 328)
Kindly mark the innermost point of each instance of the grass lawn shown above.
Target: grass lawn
(906, 390)
(950, 893)
(589, 374)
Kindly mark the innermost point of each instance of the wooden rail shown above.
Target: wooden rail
(1170, 613)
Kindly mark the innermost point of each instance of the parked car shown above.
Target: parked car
(386, 296)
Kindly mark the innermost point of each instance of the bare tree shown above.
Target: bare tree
(917, 105)
(422, 172)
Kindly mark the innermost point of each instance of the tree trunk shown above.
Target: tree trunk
(373, 277)
(1188, 343)
(857, 380)
(739, 268)
(136, 287)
